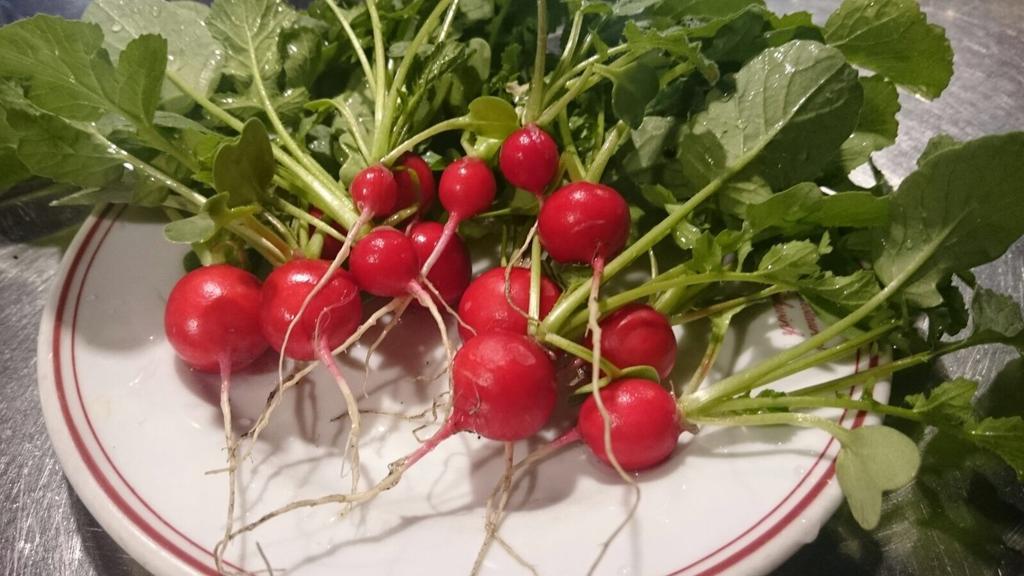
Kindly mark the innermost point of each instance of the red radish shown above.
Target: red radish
(375, 192)
(415, 183)
(453, 270)
(467, 188)
(331, 245)
(645, 425)
(332, 314)
(484, 307)
(375, 189)
(638, 335)
(309, 309)
(212, 321)
(643, 429)
(503, 387)
(587, 223)
(529, 159)
(583, 221)
(384, 263)
(212, 318)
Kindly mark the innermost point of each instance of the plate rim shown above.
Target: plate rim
(159, 555)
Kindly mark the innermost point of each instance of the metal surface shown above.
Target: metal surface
(44, 528)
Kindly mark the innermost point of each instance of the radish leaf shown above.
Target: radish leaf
(894, 39)
(793, 107)
(959, 210)
(52, 148)
(249, 31)
(491, 117)
(194, 55)
(877, 127)
(947, 404)
(244, 168)
(1005, 437)
(873, 460)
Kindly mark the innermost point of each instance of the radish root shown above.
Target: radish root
(351, 453)
(274, 400)
(399, 305)
(517, 256)
(340, 258)
(595, 366)
(229, 442)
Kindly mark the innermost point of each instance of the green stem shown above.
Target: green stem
(358, 134)
(262, 244)
(581, 352)
(570, 44)
(742, 301)
(339, 208)
(535, 102)
(873, 374)
(382, 138)
(570, 156)
(298, 153)
(279, 243)
(265, 248)
(380, 64)
(788, 419)
(306, 217)
(207, 104)
(841, 350)
(447, 25)
(562, 103)
(148, 169)
(677, 299)
(803, 402)
(718, 333)
(535, 282)
(572, 300)
(677, 71)
(656, 286)
(580, 68)
(356, 46)
(460, 123)
(748, 379)
(608, 149)
(160, 142)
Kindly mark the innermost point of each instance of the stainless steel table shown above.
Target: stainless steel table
(45, 530)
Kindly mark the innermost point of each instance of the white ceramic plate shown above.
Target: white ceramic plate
(137, 433)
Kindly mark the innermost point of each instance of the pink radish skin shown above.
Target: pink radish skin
(637, 335)
(333, 313)
(415, 183)
(453, 270)
(467, 188)
(384, 263)
(645, 424)
(529, 159)
(375, 189)
(503, 388)
(212, 319)
(485, 308)
(583, 221)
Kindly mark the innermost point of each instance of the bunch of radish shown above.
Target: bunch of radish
(503, 377)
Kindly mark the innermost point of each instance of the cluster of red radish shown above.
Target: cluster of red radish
(503, 380)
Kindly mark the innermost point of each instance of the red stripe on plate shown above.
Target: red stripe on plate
(76, 437)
